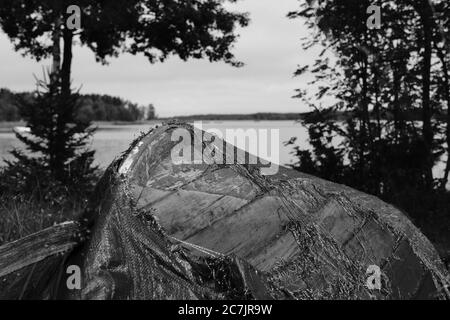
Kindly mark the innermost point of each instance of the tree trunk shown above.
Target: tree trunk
(56, 50)
(424, 11)
(66, 69)
(377, 107)
(65, 108)
(366, 114)
(441, 55)
(396, 78)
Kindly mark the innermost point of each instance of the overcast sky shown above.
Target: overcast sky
(269, 47)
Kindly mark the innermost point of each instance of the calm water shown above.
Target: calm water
(110, 140)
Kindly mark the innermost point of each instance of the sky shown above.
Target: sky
(270, 48)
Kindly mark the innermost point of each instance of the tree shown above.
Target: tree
(391, 83)
(58, 162)
(157, 29)
(150, 112)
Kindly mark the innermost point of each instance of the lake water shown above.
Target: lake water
(110, 140)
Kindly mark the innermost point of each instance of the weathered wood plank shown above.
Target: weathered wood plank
(314, 236)
(38, 246)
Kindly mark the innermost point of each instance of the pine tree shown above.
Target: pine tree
(56, 142)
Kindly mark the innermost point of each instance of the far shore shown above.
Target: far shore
(6, 127)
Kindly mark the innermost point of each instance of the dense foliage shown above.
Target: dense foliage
(381, 77)
(157, 29)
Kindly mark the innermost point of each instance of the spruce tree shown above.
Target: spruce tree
(56, 143)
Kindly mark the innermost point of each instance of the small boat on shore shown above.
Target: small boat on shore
(157, 229)
(22, 130)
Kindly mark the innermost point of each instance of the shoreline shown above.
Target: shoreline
(7, 127)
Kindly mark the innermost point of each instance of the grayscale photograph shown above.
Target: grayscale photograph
(237, 157)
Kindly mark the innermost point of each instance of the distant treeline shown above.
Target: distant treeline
(412, 115)
(254, 116)
(93, 107)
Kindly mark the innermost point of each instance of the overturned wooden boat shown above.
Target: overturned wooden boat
(158, 229)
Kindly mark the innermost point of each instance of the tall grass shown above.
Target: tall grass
(30, 200)
(21, 216)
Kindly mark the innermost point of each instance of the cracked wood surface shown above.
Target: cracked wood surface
(37, 247)
(313, 237)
